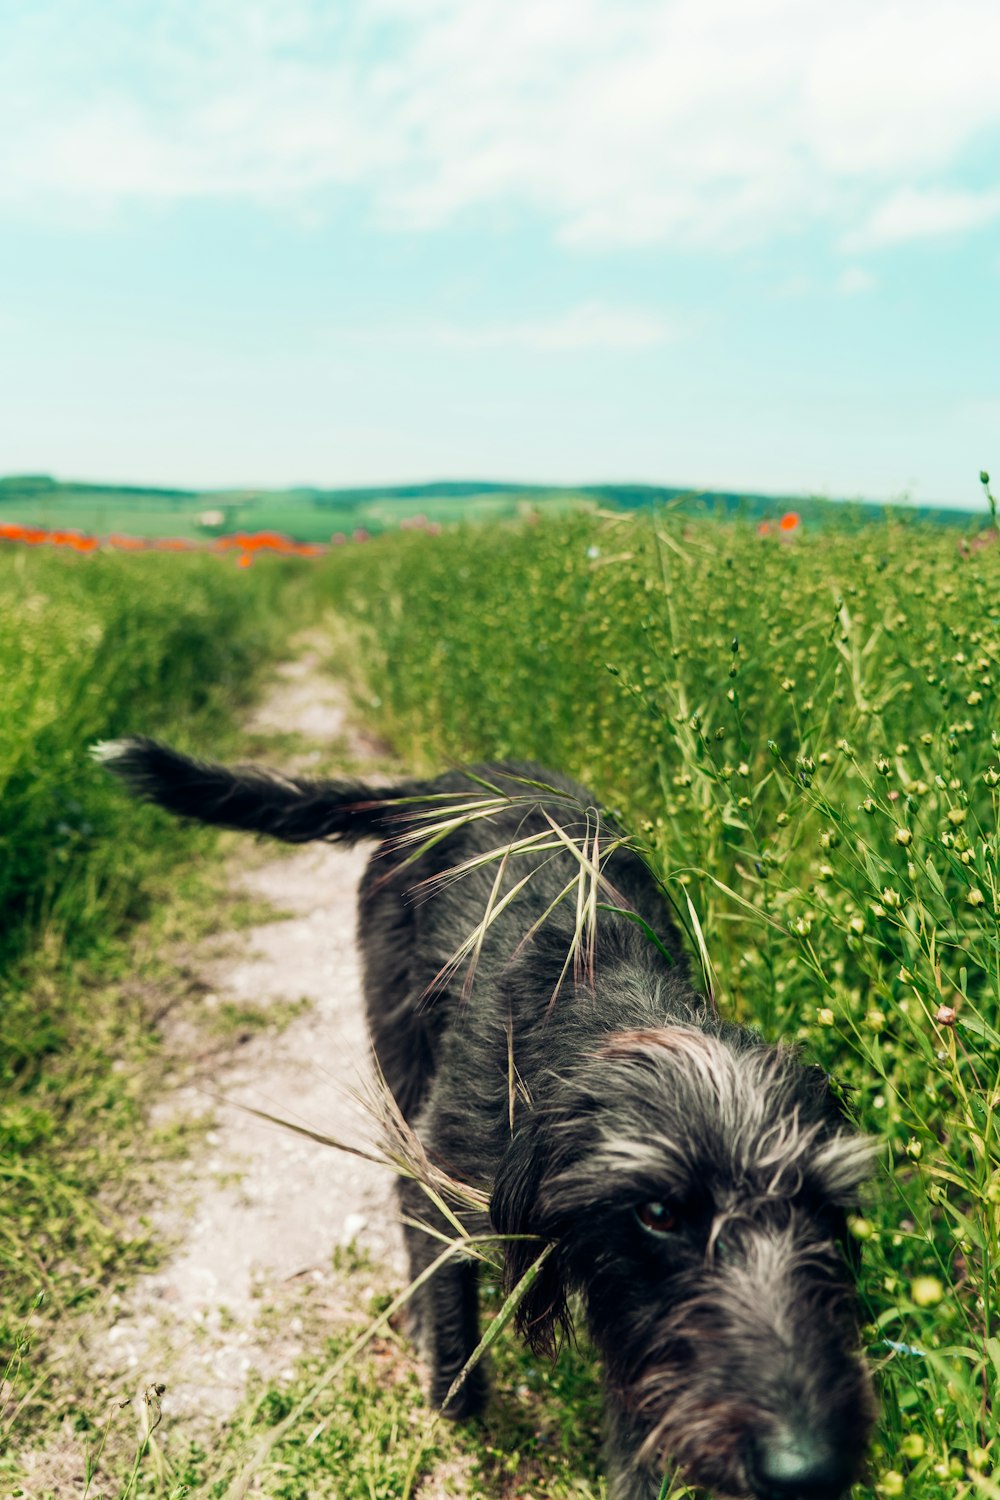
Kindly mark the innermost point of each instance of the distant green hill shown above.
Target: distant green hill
(315, 515)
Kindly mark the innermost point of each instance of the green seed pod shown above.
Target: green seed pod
(926, 1291)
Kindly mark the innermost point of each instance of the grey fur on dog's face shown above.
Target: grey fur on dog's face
(698, 1197)
(692, 1181)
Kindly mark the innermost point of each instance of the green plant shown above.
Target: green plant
(803, 735)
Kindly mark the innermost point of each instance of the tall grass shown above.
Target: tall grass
(805, 736)
(91, 648)
(96, 647)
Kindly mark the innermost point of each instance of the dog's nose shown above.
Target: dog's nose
(795, 1467)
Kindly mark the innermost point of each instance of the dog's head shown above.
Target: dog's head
(696, 1189)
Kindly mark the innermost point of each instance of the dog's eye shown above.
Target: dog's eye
(658, 1218)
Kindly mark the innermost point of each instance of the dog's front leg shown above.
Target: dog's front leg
(444, 1311)
(628, 1479)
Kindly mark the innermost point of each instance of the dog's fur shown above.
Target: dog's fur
(693, 1181)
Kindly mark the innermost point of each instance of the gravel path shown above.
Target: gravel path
(267, 1207)
(256, 1211)
(263, 1208)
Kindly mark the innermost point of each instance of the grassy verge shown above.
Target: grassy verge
(366, 1432)
(95, 648)
(805, 736)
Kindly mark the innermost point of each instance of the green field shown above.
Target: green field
(305, 515)
(803, 736)
(316, 515)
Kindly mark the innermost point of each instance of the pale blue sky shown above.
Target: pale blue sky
(741, 243)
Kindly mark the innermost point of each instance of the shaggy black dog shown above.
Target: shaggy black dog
(692, 1181)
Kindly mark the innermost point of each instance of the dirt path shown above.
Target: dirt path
(269, 1206)
(256, 1212)
(264, 1207)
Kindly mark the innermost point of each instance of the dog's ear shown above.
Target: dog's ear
(542, 1317)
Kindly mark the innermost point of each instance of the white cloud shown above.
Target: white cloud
(912, 214)
(711, 123)
(855, 280)
(592, 325)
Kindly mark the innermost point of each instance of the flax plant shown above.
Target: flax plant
(802, 733)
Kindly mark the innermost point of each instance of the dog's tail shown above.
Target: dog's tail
(291, 808)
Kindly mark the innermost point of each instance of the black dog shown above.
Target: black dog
(692, 1180)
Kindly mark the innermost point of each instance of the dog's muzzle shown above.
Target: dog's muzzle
(795, 1466)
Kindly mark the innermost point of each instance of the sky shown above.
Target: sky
(740, 244)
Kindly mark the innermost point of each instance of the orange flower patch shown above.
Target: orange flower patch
(245, 543)
(12, 532)
(74, 539)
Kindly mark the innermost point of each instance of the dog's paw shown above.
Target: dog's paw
(468, 1401)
